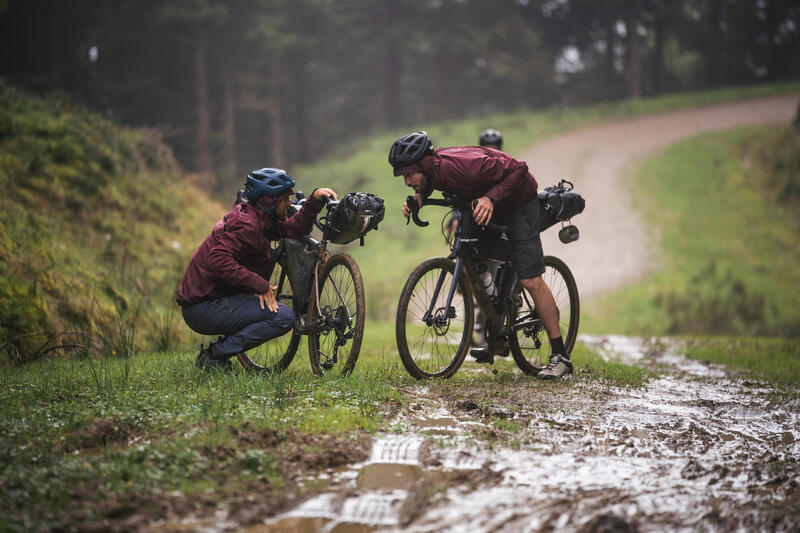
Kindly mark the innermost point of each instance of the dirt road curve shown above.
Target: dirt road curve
(613, 248)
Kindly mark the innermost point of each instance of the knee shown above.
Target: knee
(284, 319)
(533, 284)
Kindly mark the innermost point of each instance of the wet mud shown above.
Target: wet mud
(694, 449)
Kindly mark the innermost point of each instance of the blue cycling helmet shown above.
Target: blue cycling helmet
(267, 182)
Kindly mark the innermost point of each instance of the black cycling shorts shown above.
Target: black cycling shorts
(527, 257)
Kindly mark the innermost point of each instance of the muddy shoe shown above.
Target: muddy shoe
(482, 355)
(210, 359)
(557, 367)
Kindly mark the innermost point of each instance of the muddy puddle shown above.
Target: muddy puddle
(695, 449)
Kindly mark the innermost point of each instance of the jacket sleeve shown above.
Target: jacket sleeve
(507, 184)
(301, 222)
(236, 241)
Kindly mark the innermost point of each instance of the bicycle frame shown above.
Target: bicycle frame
(464, 263)
(320, 248)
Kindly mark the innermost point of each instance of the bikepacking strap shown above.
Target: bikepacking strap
(357, 214)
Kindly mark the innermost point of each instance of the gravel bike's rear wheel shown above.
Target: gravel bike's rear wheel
(335, 338)
(275, 354)
(434, 346)
(530, 345)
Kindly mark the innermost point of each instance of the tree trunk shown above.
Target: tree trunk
(203, 161)
(229, 130)
(658, 51)
(633, 59)
(278, 157)
(392, 70)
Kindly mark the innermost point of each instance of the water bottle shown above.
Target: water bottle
(488, 283)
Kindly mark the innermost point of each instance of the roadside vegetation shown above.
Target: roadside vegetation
(96, 222)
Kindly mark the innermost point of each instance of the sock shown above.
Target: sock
(557, 346)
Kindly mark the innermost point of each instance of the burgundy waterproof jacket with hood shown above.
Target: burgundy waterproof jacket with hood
(234, 258)
(470, 172)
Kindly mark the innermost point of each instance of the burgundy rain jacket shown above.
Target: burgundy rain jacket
(234, 258)
(470, 172)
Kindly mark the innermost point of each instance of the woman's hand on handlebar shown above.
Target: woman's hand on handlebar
(407, 210)
(324, 193)
(482, 210)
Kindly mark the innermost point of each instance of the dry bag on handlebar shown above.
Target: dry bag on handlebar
(355, 215)
(558, 203)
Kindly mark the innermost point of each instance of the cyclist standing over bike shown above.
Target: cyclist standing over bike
(506, 192)
(225, 290)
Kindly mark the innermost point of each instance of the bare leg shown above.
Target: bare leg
(545, 304)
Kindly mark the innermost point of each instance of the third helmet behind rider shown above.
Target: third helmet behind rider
(491, 138)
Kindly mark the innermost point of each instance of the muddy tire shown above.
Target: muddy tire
(434, 349)
(275, 354)
(334, 346)
(530, 345)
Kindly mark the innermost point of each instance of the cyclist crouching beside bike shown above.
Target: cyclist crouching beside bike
(505, 191)
(225, 290)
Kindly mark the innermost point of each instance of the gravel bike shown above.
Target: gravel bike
(435, 314)
(326, 293)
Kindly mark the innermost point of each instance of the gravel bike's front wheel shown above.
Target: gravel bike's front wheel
(530, 344)
(275, 354)
(336, 322)
(432, 340)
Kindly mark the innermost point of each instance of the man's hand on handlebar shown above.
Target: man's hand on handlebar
(323, 193)
(407, 210)
(482, 210)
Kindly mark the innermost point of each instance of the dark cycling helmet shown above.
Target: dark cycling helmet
(409, 149)
(491, 137)
(267, 182)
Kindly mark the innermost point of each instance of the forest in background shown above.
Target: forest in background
(235, 85)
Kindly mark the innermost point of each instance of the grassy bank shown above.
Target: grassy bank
(96, 224)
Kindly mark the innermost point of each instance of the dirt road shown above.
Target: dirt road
(614, 248)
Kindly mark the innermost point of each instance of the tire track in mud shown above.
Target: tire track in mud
(693, 449)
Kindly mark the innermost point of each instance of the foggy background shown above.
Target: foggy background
(235, 85)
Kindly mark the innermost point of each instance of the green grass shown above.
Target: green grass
(728, 239)
(775, 360)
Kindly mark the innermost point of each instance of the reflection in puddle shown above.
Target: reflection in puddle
(389, 476)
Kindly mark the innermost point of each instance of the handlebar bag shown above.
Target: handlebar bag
(557, 204)
(355, 215)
